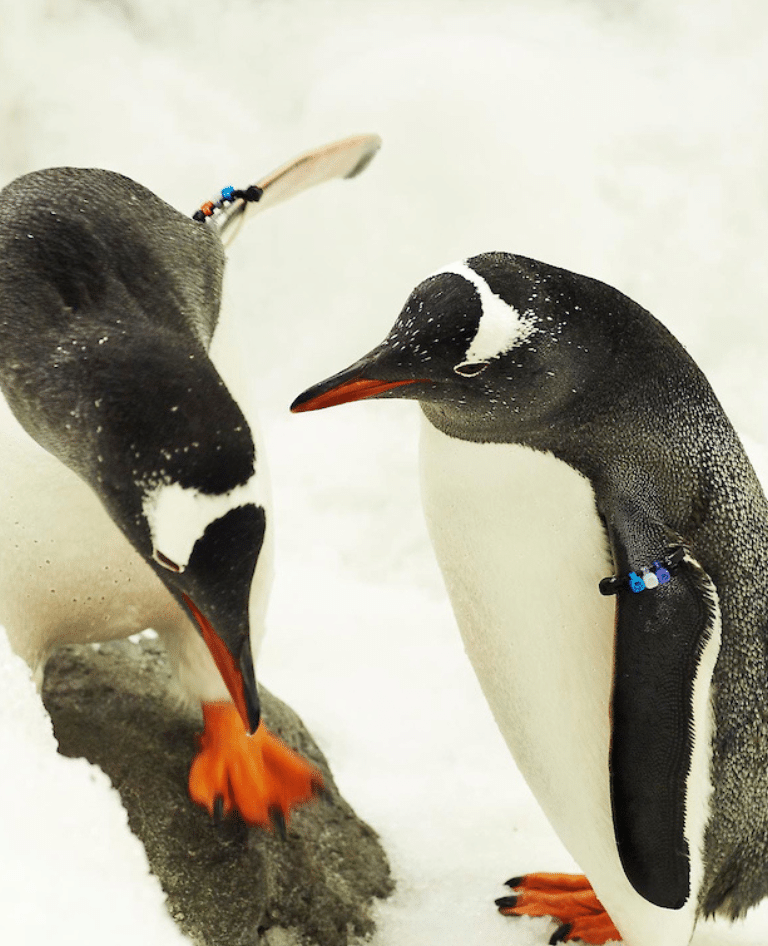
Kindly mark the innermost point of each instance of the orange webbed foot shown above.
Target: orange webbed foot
(567, 898)
(259, 776)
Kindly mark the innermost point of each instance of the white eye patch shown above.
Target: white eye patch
(501, 326)
(179, 516)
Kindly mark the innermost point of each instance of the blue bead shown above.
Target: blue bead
(662, 573)
(636, 583)
(227, 192)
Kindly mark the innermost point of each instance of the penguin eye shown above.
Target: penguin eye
(166, 562)
(468, 369)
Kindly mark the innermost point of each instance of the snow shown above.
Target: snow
(72, 872)
(623, 140)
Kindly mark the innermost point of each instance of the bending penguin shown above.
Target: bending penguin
(134, 495)
(603, 540)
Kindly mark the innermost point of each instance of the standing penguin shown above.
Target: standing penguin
(133, 494)
(603, 539)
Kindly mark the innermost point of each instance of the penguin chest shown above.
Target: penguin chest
(522, 549)
(67, 573)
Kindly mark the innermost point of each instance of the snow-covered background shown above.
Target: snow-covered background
(621, 138)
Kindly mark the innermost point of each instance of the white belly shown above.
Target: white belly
(67, 573)
(522, 550)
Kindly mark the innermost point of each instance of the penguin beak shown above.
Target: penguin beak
(348, 385)
(238, 675)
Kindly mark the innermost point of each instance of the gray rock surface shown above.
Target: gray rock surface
(230, 885)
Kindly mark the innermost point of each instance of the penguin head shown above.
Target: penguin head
(495, 348)
(171, 456)
(108, 299)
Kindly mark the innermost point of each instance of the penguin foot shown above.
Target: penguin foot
(258, 776)
(569, 899)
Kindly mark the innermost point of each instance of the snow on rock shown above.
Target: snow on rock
(71, 872)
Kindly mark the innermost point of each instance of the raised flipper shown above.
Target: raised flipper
(667, 641)
(241, 766)
(344, 158)
(567, 898)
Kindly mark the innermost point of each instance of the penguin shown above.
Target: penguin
(135, 492)
(603, 540)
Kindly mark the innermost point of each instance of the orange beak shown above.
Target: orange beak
(356, 389)
(246, 702)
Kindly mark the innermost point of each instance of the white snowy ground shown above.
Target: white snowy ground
(622, 139)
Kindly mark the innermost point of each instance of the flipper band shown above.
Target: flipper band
(660, 573)
(228, 196)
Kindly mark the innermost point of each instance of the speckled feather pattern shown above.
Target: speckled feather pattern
(598, 383)
(109, 299)
(674, 447)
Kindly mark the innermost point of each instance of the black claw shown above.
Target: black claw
(506, 902)
(514, 881)
(277, 818)
(218, 810)
(560, 933)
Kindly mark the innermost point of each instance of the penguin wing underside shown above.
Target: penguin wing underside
(339, 159)
(667, 637)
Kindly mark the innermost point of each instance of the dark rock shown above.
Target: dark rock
(231, 885)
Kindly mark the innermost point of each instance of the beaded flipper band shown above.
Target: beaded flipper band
(659, 573)
(227, 197)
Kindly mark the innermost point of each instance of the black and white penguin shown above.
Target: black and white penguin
(604, 542)
(133, 493)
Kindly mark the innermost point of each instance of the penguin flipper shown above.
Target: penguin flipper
(567, 898)
(257, 775)
(667, 640)
(338, 159)
(344, 158)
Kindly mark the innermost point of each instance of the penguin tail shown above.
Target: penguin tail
(258, 775)
(567, 898)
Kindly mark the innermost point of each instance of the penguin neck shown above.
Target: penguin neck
(673, 486)
(483, 427)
